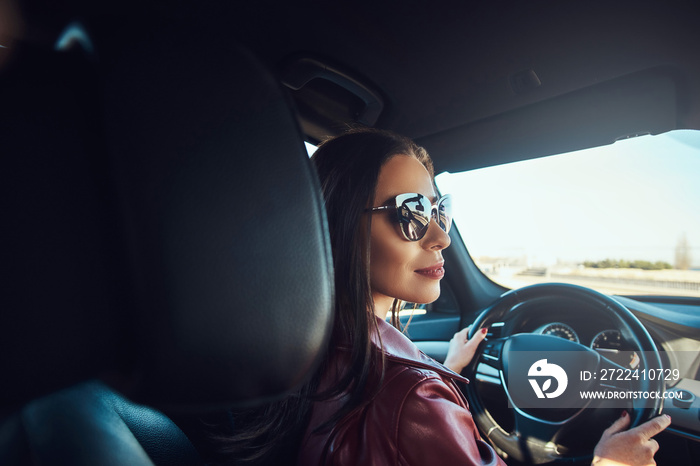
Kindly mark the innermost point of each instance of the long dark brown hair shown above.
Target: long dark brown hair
(348, 168)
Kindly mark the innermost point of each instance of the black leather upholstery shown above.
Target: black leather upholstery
(91, 424)
(163, 229)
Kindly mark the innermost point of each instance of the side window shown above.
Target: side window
(310, 148)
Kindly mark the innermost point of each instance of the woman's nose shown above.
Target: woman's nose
(435, 237)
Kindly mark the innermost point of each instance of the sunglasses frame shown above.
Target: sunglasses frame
(434, 213)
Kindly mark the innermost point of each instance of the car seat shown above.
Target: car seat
(164, 242)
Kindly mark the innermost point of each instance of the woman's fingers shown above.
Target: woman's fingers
(462, 334)
(622, 423)
(479, 336)
(634, 446)
(652, 427)
(461, 350)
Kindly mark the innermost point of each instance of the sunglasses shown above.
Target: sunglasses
(414, 212)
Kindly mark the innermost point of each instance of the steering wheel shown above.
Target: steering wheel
(538, 434)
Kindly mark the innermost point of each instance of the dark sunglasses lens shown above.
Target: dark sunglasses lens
(414, 213)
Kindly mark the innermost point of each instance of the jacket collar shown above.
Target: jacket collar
(398, 347)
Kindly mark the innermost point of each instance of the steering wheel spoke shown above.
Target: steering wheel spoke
(523, 446)
(545, 432)
(491, 353)
(490, 366)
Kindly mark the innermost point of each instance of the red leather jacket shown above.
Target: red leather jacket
(418, 417)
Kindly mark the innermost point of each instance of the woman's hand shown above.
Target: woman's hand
(630, 447)
(461, 350)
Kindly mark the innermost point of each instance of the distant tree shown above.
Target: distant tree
(683, 257)
(644, 265)
(624, 264)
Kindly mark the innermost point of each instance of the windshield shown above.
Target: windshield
(622, 219)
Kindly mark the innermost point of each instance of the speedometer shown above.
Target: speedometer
(560, 330)
(607, 340)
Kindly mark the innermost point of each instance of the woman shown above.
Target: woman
(376, 399)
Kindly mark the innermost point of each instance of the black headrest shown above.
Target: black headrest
(161, 221)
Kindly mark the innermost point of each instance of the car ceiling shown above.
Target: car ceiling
(448, 73)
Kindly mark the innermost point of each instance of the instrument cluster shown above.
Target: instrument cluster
(610, 339)
(608, 342)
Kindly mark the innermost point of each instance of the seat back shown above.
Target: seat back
(164, 229)
(224, 224)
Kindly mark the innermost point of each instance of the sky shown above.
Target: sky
(630, 200)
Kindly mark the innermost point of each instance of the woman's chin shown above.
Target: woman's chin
(424, 296)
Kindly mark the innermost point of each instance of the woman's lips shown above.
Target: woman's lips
(435, 272)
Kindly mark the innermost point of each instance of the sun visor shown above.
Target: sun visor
(642, 103)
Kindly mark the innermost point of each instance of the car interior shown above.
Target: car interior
(166, 257)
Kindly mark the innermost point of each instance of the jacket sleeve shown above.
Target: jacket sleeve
(435, 427)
